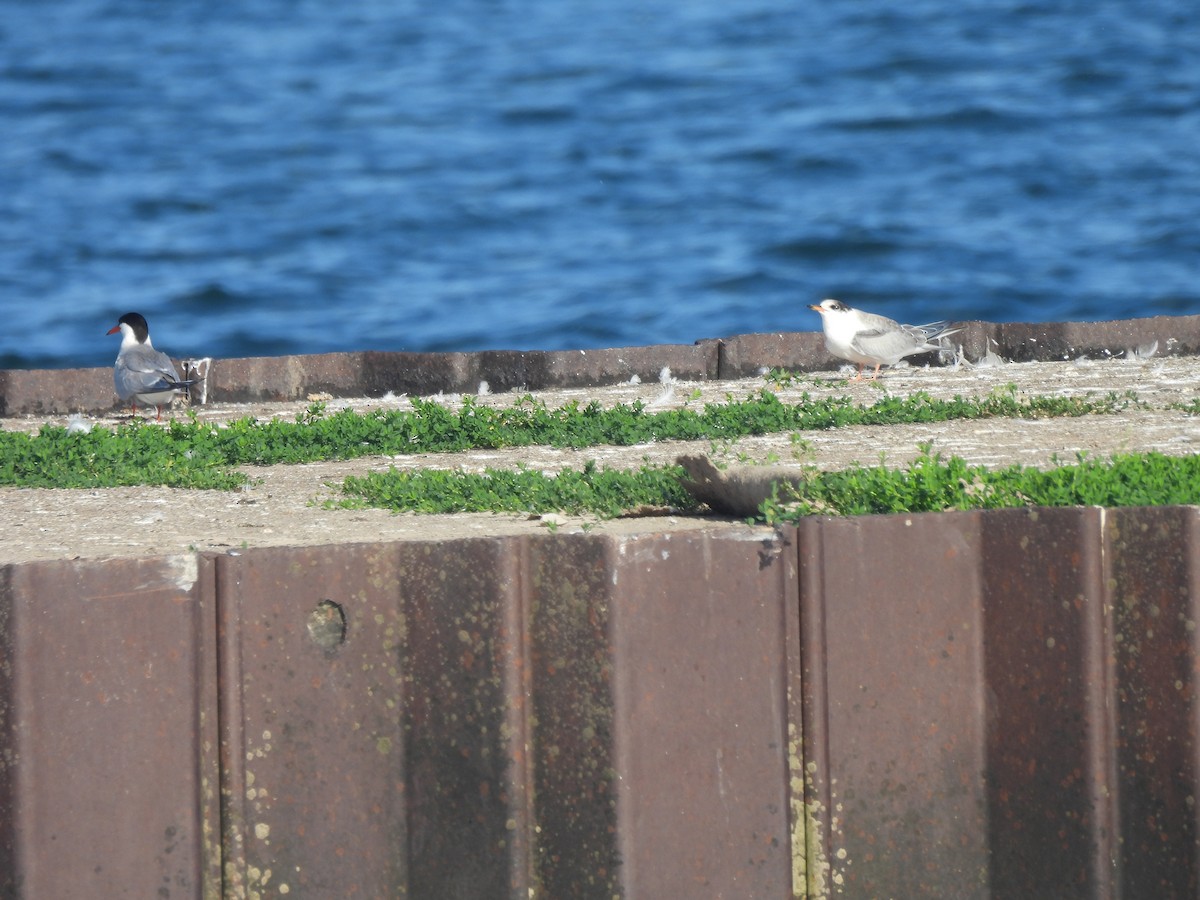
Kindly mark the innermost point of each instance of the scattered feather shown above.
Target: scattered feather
(950, 354)
(666, 398)
(635, 380)
(484, 389)
(77, 425)
(196, 370)
(1145, 351)
(989, 359)
(664, 376)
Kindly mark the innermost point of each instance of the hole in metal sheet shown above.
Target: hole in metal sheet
(327, 626)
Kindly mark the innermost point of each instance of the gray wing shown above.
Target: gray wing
(893, 342)
(933, 331)
(889, 345)
(144, 370)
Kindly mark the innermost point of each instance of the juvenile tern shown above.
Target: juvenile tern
(143, 374)
(867, 339)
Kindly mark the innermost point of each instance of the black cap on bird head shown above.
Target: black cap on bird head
(137, 324)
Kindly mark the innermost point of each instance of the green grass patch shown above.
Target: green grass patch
(605, 493)
(928, 484)
(134, 454)
(189, 453)
(932, 483)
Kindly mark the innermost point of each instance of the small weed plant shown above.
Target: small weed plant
(188, 453)
(930, 483)
(606, 493)
(933, 483)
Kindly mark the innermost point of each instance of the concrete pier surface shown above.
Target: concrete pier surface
(282, 505)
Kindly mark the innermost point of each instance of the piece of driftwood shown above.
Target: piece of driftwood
(737, 491)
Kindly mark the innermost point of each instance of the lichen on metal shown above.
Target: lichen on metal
(562, 714)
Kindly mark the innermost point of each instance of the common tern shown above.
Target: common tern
(143, 374)
(867, 339)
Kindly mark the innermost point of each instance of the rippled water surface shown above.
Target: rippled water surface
(268, 177)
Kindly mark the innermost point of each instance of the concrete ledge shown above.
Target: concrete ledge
(55, 391)
(374, 373)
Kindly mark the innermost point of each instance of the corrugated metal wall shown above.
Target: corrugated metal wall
(956, 705)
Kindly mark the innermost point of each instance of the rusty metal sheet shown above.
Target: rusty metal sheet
(516, 759)
(467, 725)
(1154, 558)
(107, 720)
(1050, 763)
(660, 692)
(572, 753)
(894, 706)
(390, 762)
(966, 704)
(311, 750)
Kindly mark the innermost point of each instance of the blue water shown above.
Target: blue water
(285, 176)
